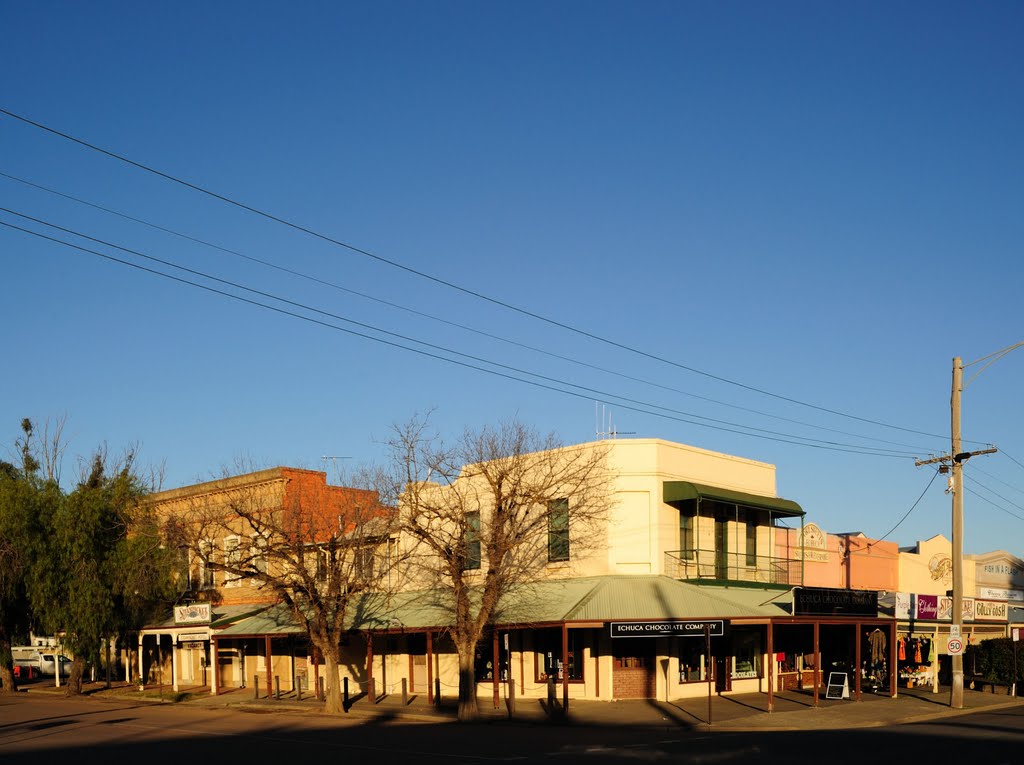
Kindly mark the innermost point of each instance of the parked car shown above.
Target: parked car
(48, 666)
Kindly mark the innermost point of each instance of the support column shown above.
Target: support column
(817, 662)
(142, 665)
(371, 692)
(174, 663)
(315, 656)
(269, 664)
(214, 667)
(565, 668)
(892, 659)
(494, 671)
(771, 667)
(858, 659)
(430, 668)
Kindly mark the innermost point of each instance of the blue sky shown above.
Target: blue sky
(818, 200)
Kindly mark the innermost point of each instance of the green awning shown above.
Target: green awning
(680, 491)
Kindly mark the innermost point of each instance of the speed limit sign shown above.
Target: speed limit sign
(955, 646)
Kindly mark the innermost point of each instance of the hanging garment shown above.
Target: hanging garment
(931, 651)
(878, 642)
(902, 646)
(917, 651)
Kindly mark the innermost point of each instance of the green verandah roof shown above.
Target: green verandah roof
(589, 599)
(679, 491)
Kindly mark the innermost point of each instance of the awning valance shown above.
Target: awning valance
(679, 491)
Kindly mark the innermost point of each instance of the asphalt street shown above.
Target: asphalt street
(52, 728)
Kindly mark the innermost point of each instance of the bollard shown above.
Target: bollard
(320, 685)
(344, 698)
(437, 691)
(551, 692)
(277, 687)
(298, 687)
(255, 686)
(372, 690)
(511, 697)
(405, 692)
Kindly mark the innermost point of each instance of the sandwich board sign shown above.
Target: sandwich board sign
(838, 686)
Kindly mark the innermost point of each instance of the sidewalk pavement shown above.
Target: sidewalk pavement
(794, 710)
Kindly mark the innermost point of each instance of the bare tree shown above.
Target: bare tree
(498, 510)
(317, 549)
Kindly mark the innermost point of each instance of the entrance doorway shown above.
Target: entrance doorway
(633, 669)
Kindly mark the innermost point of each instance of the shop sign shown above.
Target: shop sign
(187, 637)
(946, 609)
(666, 629)
(903, 602)
(195, 645)
(824, 601)
(927, 607)
(995, 593)
(194, 613)
(811, 544)
(990, 610)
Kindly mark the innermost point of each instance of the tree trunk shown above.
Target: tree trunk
(332, 683)
(468, 709)
(7, 667)
(74, 680)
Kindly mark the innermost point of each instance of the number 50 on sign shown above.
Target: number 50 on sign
(955, 646)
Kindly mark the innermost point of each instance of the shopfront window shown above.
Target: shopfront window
(746, 645)
(693, 663)
(484, 659)
(549, 655)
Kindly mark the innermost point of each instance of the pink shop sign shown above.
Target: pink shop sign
(927, 606)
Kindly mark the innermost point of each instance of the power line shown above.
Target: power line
(907, 514)
(638, 407)
(421, 314)
(978, 483)
(444, 282)
(1014, 459)
(975, 468)
(995, 505)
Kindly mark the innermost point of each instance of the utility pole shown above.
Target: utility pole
(953, 463)
(956, 695)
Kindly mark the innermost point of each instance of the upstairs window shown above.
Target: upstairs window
(471, 542)
(259, 561)
(206, 579)
(363, 564)
(751, 540)
(687, 540)
(232, 556)
(558, 530)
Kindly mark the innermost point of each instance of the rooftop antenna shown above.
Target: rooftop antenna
(334, 459)
(604, 427)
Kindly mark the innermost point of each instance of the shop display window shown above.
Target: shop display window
(746, 646)
(693, 665)
(549, 655)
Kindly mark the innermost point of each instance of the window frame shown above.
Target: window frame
(559, 549)
(472, 557)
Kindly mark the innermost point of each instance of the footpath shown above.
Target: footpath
(793, 710)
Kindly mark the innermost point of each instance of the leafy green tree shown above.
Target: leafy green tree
(20, 495)
(15, 504)
(93, 563)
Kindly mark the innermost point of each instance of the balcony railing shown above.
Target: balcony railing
(712, 565)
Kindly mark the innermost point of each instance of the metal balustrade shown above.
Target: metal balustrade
(713, 565)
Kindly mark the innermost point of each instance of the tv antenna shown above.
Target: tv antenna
(604, 428)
